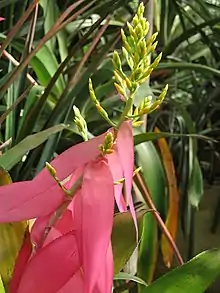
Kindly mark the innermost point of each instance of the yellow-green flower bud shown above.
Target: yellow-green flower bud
(119, 89)
(139, 31)
(51, 169)
(156, 61)
(152, 39)
(118, 77)
(145, 75)
(142, 48)
(145, 25)
(135, 20)
(137, 123)
(136, 58)
(140, 11)
(128, 83)
(124, 38)
(92, 93)
(152, 48)
(101, 111)
(132, 31)
(137, 74)
(128, 58)
(163, 93)
(116, 61)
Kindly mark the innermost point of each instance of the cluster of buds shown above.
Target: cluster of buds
(80, 123)
(147, 106)
(98, 106)
(107, 147)
(136, 50)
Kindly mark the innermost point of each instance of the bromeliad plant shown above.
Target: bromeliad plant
(70, 246)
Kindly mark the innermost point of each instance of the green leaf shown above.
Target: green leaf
(14, 155)
(30, 101)
(148, 250)
(195, 190)
(125, 276)
(154, 178)
(51, 14)
(123, 228)
(149, 136)
(45, 65)
(194, 276)
(189, 66)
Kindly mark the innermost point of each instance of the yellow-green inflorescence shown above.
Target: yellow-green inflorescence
(136, 49)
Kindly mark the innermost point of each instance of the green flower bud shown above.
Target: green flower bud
(51, 170)
(132, 32)
(92, 93)
(156, 61)
(119, 89)
(139, 31)
(140, 11)
(116, 61)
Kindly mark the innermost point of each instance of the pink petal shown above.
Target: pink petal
(52, 267)
(117, 173)
(38, 229)
(27, 200)
(75, 284)
(63, 226)
(125, 147)
(97, 219)
(2, 18)
(73, 158)
(41, 196)
(105, 281)
(22, 259)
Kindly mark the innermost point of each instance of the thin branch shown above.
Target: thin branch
(158, 218)
(16, 63)
(13, 106)
(18, 25)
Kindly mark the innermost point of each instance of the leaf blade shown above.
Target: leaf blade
(194, 276)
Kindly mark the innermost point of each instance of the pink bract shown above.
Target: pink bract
(76, 252)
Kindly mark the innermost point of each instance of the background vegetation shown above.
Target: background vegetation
(49, 49)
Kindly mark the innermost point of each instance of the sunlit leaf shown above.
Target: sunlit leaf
(194, 276)
(14, 155)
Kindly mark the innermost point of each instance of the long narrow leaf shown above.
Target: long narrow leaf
(195, 276)
(173, 207)
(14, 155)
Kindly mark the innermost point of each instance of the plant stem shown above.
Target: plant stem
(158, 218)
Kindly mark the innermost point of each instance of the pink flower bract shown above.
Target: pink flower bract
(76, 251)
